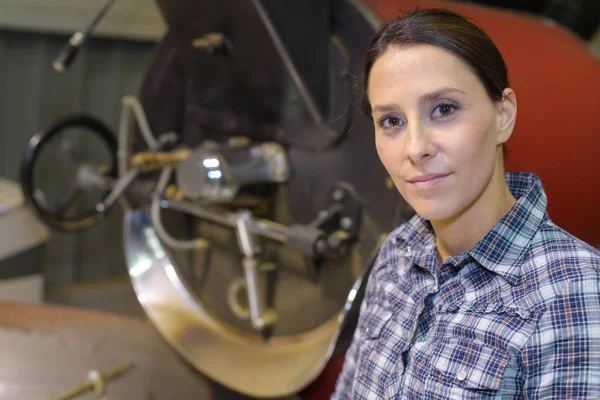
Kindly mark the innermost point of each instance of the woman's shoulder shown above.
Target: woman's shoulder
(558, 255)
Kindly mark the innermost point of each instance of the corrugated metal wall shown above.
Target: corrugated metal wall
(33, 95)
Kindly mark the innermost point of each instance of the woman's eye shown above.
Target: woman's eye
(444, 110)
(390, 122)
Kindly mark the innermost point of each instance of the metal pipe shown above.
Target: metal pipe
(288, 63)
(162, 233)
(132, 104)
(260, 227)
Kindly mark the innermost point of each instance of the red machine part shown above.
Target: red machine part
(557, 81)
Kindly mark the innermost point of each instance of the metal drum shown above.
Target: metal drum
(264, 85)
(256, 203)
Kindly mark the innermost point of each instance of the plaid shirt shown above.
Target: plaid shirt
(517, 316)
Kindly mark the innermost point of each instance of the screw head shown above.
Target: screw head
(346, 223)
(321, 246)
(334, 241)
(338, 195)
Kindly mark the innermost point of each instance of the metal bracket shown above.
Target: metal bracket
(340, 220)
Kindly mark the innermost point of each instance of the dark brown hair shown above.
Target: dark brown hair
(446, 30)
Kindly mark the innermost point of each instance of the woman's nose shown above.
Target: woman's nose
(419, 143)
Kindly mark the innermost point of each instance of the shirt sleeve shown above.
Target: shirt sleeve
(343, 386)
(345, 381)
(562, 358)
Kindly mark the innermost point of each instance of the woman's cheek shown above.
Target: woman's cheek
(385, 152)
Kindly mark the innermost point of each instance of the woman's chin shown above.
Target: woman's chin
(434, 212)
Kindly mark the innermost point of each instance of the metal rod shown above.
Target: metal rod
(288, 63)
(90, 386)
(69, 51)
(120, 186)
(170, 241)
(250, 264)
(246, 244)
(99, 15)
(259, 227)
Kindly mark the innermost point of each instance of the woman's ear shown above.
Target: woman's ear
(508, 115)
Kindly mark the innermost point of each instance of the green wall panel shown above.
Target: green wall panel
(33, 95)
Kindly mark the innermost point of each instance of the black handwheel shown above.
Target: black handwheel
(67, 205)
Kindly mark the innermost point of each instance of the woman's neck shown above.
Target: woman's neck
(463, 231)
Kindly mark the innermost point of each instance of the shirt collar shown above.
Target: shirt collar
(502, 249)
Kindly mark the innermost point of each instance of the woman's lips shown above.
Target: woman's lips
(427, 181)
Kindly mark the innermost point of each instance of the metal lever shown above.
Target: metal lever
(96, 382)
(120, 186)
(69, 51)
(260, 316)
(125, 180)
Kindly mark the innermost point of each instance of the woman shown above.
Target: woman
(479, 295)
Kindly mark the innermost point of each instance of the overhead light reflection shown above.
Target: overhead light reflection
(214, 174)
(211, 163)
(140, 267)
(350, 299)
(171, 274)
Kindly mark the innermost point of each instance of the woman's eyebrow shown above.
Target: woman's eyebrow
(429, 97)
(385, 108)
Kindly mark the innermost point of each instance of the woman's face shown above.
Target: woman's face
(437, 130)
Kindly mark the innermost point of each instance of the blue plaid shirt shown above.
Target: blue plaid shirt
(517, 316)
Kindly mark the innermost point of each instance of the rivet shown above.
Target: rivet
(346, 223)
(338, 195)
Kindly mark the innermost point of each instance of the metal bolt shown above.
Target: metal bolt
(213, 43)
(321, 246)
(334, 241)
(239, 141)
(338, 195)
(267, 267)
(97, 379)
(346, 223)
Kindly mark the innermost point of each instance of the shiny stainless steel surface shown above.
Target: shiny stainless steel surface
(189, 299)
(49, 349)
(242, 361)
(215, 172)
